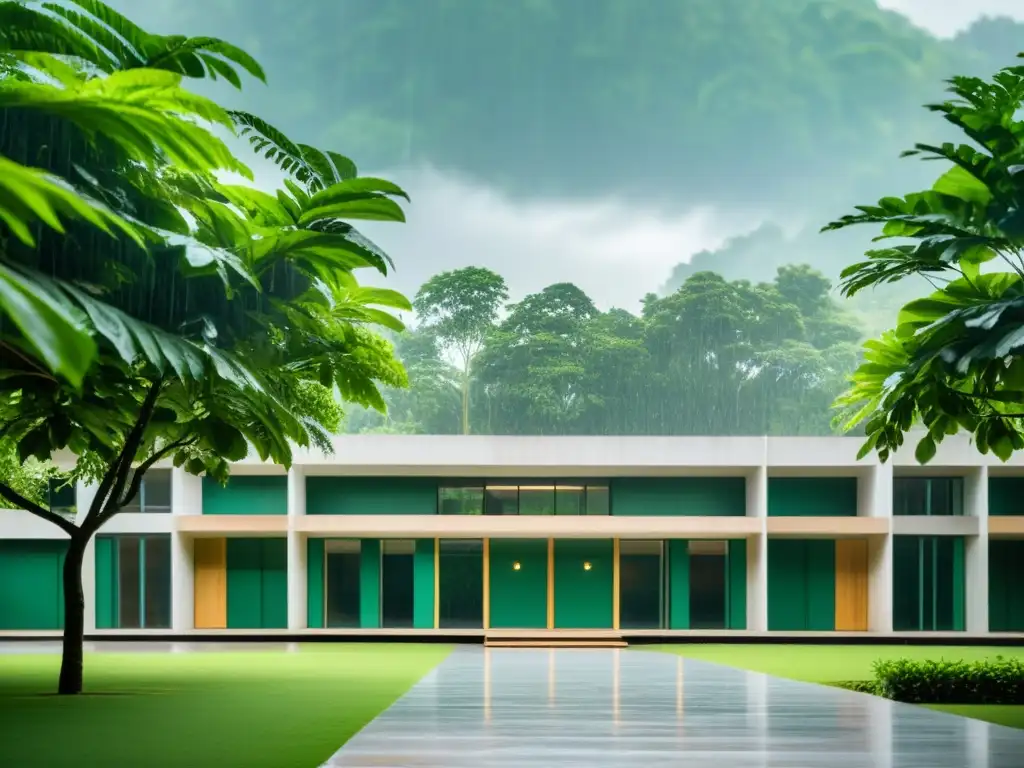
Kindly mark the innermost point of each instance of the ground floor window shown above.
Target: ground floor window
(928, 583)
(708, 584)
(461, 584)
(642, 587)
(342, 582)
(133, 579)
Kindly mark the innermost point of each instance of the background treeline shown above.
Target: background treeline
(714, 357)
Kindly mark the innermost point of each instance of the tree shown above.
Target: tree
(954, 360)
(182, 319)
(460, 309)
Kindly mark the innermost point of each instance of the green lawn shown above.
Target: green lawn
(257, 709)
(843, 663)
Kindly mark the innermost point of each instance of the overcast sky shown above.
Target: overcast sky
(614, 250)
(947, 17)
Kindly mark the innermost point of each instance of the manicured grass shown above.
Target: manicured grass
(216, 709)
(1001, 714)
(844, 663)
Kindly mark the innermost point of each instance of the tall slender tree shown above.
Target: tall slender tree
(461, 308)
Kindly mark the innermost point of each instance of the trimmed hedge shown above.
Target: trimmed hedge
(995, 681)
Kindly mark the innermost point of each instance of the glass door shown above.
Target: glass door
(342, 583)
(396, 582)
(708, 581)
(642, 592)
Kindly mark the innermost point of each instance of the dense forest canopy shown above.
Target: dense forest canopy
(713, 357)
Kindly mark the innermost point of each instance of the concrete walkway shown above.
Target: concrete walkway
(545, 709)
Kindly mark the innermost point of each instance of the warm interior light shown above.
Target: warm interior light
(586, 566)
(516, 566)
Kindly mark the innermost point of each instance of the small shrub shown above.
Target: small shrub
(995, 681)
(860, 686)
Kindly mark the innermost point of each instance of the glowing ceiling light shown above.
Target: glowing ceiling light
(516, 566)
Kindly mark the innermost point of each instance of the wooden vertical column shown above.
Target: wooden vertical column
(851, 585)
(211, 584)
(487, 583)
(615, 584)
(551, 583)
(437, 583)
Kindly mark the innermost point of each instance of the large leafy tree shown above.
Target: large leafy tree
(460, 308)
(148, 311)
(954, 359)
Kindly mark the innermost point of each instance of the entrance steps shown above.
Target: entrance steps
(553, 638)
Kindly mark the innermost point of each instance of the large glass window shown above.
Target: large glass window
(396, 582)
(539, 498)
(928, 583)
(937, 496)
(707, 584)
(461, 583)
(142, 579)
(642, 592)
(342, 582)
(154, 494)
(461, 500)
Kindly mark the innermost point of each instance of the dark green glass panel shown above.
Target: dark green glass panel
(932, 496)
(129, 608)
(343, 592)
(812, 496)
(537, 500)
(397, 583)
(641, 585)
(157, 586)
(461, 584)
(502, 500)
(707, 591)
(461, 500)
(1005, 496)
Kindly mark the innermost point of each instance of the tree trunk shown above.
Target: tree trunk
(465, 400)
(74, 619)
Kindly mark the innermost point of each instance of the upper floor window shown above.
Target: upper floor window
(514, 499)
(154, 494)
(62, 498)
(932, 496)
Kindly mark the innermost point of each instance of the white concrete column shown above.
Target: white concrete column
(757, 551)
(976, 551)
(186, 499)
(84, 495)
(297, 617)
(877, 502)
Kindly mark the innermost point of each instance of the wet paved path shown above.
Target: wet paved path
(504, 708)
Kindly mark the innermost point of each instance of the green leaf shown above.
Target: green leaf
(925, 450)
(957, 182)
(54, 328)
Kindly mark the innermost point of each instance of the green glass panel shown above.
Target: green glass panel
(461, 584)
(821, 584)
(274, 584)
(812, 496)
(518, 598)
(678, 584)
(371, 496)
(461, 500)
(344, 598)
(246, 495)
(674, 496)
(641, 585)
(31, 584)
(738, 584)
(156, 581)
(423, 585)
(106, 582)
(245, 583)
(929, 496)
(369, 584)
(584, 582)
(315, 583)
(1005, 496)
(787, 585)
(906, 584)
(1005, 577)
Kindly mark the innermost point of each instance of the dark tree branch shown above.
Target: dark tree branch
(112, 485)
(30, 506)
(133, 488)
